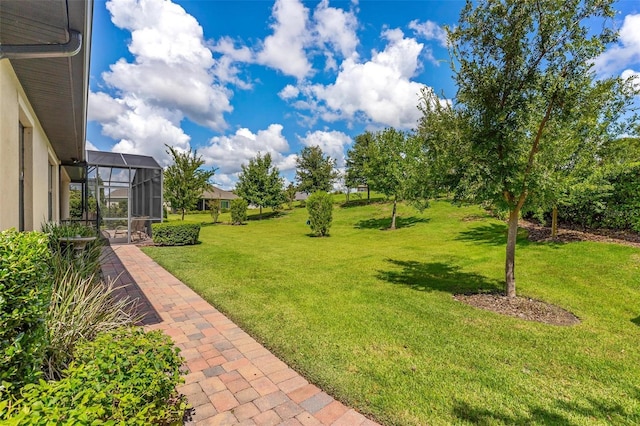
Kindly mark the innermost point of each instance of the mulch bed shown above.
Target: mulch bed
(520, 307)
(539, 233)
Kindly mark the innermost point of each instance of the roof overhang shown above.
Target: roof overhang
(54, 77)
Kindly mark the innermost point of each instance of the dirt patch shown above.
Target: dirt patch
(520, 307)
(539, 233)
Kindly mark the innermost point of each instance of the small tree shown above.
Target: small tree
(184, 180)
(315, 172)
(320, 208)
(523, 69)
(214, 208)
(393, 169)
(260, 183)
(238, 211)
(356, 161)
(290, 193)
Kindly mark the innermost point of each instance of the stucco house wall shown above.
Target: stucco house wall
(40, 161)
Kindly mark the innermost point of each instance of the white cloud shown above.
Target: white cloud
(289, 92)
(90, 146)
(379, 90)
(284, 49)
(140, 128)
(626, 52)
(173, 68)
(336, 28)
(430, 31)
(332, 143)
(297, 36)
(229, 152)
(103, 107)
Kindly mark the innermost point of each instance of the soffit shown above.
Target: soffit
(57, 88)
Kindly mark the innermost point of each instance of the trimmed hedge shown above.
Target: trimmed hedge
(25, 292)
(170, 234)
(125, 376)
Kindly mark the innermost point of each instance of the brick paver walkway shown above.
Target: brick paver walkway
(232, 379)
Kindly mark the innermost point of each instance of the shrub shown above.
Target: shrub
(214, 208)
(238, 211)
(25, 288)
(125, 376)
(320, 208)
(170, 234)
(81, 308)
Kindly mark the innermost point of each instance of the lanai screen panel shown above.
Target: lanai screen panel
(144, 180)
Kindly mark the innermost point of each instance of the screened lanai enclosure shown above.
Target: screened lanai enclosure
(119, 194)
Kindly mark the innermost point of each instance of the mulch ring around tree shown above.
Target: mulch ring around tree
(520, 307)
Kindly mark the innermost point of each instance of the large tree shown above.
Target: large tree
(523, 68)
(185, 180)
(315, 171)
(356, 160)
(393, 168)
(260, 183)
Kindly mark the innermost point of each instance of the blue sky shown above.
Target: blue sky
(234, 78)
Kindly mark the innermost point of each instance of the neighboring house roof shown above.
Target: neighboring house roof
(216, 192)
(301, 196)
(40, 39)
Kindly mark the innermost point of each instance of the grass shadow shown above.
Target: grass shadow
(385, 223)
(494, 234)
(267, 215)
(438, 276)
(361, 202)
(559, 414)
(636, 321)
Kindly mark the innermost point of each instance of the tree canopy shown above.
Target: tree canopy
(524, 70)
(315, 171)
(185, 180)
(355, 162)
(260, 183)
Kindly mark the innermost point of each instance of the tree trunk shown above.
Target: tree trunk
(368, 194)
(510, 264)
(554, 222)
(183, 210)
(348, 195)
(260, 215)
(393, 214)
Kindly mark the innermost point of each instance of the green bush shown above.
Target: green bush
(608, 199)
(25, 289)
(238, 211)
(320, 208)
(214, 208)
(172, 234)
(125, 376)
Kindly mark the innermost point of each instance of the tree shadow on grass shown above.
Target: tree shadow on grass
(361, 202)
(558, 414)
(267, 215)
(494, 234)
(437, 276)
(385, 223)
(636, 321)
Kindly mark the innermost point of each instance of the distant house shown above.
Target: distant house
(225, 198)
(301, 196)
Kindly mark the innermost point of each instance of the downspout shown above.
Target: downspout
(33, 51)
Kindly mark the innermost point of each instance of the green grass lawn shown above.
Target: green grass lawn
(368, 314)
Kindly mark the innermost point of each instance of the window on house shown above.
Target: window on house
(21, 177)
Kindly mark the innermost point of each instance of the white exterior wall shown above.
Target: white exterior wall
(14, 109)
